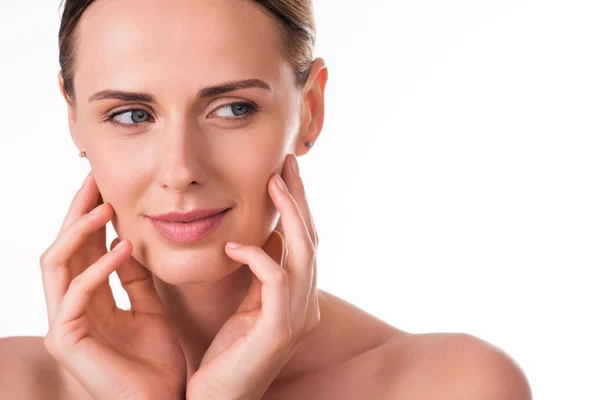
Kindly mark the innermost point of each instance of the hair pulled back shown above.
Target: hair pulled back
(294, 18)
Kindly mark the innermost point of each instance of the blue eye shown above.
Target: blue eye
(136, 115)
(240, 110)
(129, 118)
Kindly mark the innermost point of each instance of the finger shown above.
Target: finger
(103, 299)
(298, 192)
(296, 187)
(312, 313)
(94, 247)
(303, 289)
(274, 288)
(56, 274)
(82, 288)
(73, 237)
(274, 249)
(86, 198)
(139, 285)
(301, 251)
(279, 228)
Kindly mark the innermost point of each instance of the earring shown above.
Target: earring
(310, 144)
(82, 154)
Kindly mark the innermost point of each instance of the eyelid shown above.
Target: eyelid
(252, 106)
(113, 113)
(110, 117)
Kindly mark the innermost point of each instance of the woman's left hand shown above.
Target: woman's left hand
(280, 310)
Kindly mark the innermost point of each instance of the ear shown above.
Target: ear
(313, 107)
(71, 110)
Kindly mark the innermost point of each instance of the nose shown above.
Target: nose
(179, 157)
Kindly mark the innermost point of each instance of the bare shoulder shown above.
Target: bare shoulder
(27, 371)
(452, 366)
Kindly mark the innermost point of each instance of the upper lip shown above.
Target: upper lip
(188, 216)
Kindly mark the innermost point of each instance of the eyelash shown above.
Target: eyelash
(252, 109)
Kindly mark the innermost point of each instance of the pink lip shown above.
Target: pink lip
(187, 232)
(187, 216)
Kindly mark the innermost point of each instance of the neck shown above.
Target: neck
(198, 311)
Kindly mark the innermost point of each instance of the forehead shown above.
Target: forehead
(175, 43)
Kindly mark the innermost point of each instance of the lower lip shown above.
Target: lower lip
(188, 232)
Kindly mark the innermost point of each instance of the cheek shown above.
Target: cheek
(256, 211)
(258, 158)
(252, 177)
(117, 184)
(120, 190)
(250, 169)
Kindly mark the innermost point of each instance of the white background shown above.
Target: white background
(455, 185)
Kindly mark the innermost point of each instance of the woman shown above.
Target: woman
(192, 131)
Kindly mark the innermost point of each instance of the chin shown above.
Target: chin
(206, 261)
(185, 266)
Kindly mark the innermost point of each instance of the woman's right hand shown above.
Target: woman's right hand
(113, 353)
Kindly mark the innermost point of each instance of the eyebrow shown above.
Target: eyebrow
(209, 91)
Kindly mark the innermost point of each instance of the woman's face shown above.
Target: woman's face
(182, 150)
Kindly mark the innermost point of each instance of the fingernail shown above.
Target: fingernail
(294, 163)
(96, 210)
(280, 183)
(118, 246)
(233, 245)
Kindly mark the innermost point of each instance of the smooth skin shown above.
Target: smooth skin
(280, 310)
(179, 151)
(103, 352)
(124, 354)
(112, 353)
